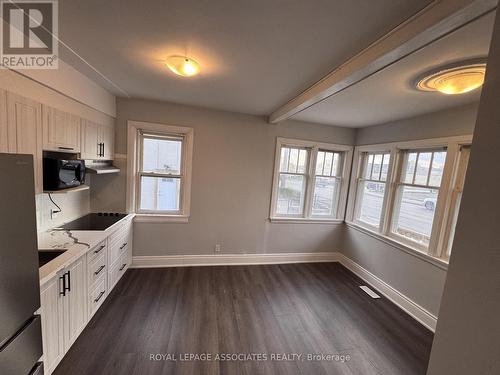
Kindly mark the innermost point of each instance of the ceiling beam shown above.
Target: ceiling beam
(433, 22)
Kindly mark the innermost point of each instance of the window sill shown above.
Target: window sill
(400, 246)
(154, 218)
(294, 220)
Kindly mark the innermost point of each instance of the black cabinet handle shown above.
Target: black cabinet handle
(100, 296)
(99, 250)
(99, 270)
(122, 246)
(65, 148)
(103, 145)
(69, 281)
(63, 292)
(122, 267)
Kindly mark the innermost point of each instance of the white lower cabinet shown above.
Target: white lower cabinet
(64, 311)
(72, 297)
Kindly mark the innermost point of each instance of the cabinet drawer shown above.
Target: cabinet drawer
(97, 268)
(123, 230)
(118, 270)
(97, 251)
(97, 295)
(119, 247)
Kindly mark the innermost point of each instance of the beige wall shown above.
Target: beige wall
(231, 188)
(417, 279)
(467, 339)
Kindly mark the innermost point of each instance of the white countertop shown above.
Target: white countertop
(77, 243)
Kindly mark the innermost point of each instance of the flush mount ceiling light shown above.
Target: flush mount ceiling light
(183, 66)
(453, 80)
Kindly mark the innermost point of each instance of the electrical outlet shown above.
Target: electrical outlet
(217, 248)
(54, 214)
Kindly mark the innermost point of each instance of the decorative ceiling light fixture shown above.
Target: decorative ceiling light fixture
(183, 65)
(454, 79)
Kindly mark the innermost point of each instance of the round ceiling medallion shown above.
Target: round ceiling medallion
(454, 80)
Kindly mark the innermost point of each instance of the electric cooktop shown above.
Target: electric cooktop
(94, 221)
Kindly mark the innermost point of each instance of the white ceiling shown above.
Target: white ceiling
(255, 55)
(389, 95)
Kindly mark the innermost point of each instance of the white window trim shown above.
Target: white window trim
(133, 129)
(434, 254)
(344, 181)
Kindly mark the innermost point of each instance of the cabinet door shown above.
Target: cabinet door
(61, 130)
(108, 139)
(52, 311)
(4, 133)
(89, 140)
(75, 301)
(24, 120)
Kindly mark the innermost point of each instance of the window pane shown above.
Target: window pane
(285, 152)
(325, 196)
(377, 165)
(294, 160)
(370, 201)
(437, 168)
(327, 168)
(385, 167)
(302, 161)
(423, 165)
(162, 155)
(291, 191)
(336, 165)
(160, 194)
(320, 162)
(415, 215)
(409, 167)
(368, 170)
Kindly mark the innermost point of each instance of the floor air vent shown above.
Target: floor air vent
(370, 292)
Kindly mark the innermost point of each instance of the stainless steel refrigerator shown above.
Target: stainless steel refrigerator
(20, 328)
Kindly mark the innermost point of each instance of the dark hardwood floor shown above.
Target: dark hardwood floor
(305, 309)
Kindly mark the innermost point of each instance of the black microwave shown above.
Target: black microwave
(62, 174)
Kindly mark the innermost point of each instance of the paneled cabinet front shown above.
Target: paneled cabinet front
(24, 131)
(61, 130)
(64, 311)
(97, 141)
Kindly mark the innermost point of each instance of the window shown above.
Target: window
(417, 195)
(456, 198)
(308, 182)
(409, 193)
(371, 188)
(160, 166)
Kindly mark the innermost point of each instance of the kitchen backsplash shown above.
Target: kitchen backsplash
(73, 205)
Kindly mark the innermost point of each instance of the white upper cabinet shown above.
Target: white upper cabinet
(97, 141)
(90, 140)
(107, 138)
(61, 130)
(24, 117)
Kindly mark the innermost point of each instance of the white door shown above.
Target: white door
(52, 310)
(24, 120)
(76, 300)
(61, 130)
(90, 140)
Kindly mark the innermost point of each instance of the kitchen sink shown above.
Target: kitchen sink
(45, 256)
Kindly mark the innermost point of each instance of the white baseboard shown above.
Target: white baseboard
(406, 304)
(230, 259)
